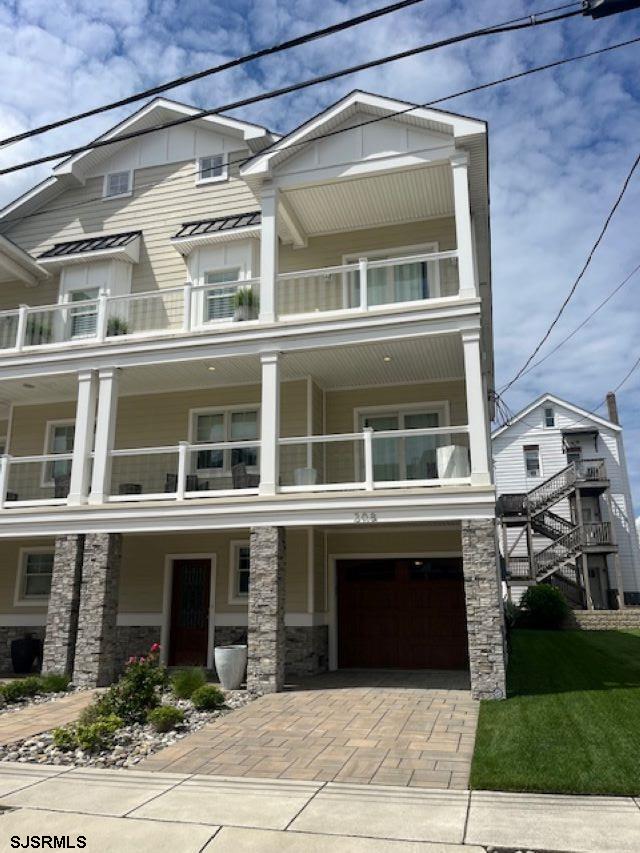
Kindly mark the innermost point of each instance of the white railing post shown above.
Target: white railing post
(102, 319)
(83, 438)
(364, 295)
(368, 459)
(4, 478)
(105, 435)
(476, 408)
(188, 294)
(183, 455)
(21, 332)
(268, 254)
(464, 232)
(270, 424)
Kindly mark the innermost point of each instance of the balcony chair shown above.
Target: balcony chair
(130, 489)
(61, 486)
(241, 479)
(194, 484)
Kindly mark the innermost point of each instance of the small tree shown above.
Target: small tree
(543, 606)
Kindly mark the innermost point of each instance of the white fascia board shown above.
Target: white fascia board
(20, 263)
(460, 125)
(185, 245)
(401, 507)
(551, 398)
(41, 189)
(226, 342)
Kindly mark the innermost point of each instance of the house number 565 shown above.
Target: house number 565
(365, 518)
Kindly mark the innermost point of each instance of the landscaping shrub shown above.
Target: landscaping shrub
(185, 681)
(165, 718)
(21, 688)
(137, 690)
(207, 698)
(64, 738)
(90, 737)
(54, 682)
(542, 606)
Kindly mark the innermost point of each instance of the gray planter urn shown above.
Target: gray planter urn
(231, 665)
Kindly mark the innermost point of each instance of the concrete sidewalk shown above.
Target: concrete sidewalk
(137, 811)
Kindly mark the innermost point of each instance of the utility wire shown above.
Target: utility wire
(507, 26)
(292, 146)
(216, 69)
(575, 284)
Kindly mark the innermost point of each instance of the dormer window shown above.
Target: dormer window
(212, 168)
(117, 184)
(549, 417)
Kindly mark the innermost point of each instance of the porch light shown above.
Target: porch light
(387, 359)
(211, 367)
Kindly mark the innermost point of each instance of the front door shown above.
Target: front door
(190, 612)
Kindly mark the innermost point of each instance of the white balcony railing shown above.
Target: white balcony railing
(191, 308)
(375, 460)
(35, 480)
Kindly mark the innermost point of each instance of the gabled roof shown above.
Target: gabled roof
(378, 106)
(158, 111)
(15, 263)
(551, 398)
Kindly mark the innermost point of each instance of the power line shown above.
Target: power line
(507, 26)
(274, 149)
(575, 284)
(216, 69)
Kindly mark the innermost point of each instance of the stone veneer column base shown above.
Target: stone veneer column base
(96, 645)
(62, 613)
(265, 632)
(485, 619)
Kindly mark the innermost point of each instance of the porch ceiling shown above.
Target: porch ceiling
(401, 196)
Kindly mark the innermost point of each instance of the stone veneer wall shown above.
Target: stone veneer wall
(14, 632)
(96, 652)
(604, 620)
(306, 647)
(485, 619)
(62, 612)
(265, 632)
(134, 640)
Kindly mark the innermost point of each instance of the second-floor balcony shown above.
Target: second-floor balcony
(363, 286)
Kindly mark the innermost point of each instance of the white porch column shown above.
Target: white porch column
(105, 434)
(464, 231)
(269, 423)
(476, 407)
(268, 254)
(83, 437)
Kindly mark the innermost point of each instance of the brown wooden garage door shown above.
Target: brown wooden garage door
(406, 614)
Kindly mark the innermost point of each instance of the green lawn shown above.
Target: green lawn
(572, 720)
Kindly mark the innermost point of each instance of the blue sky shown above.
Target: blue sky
(561, 142)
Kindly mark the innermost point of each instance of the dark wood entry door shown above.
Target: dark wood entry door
(405, 614)
(190, 612)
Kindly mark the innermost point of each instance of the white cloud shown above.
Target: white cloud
(560, 142)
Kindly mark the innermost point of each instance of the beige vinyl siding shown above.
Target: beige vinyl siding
(318, 409)
(9, 558)
(4, 428)
(319, 572)
(328, 250)
(16, 293)
(29, 425)
(163, 198)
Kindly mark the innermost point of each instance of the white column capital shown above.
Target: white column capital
(268, 191)
(470, 336)
(108, 373)
(269, 357)
(459, 159)
(86, 375)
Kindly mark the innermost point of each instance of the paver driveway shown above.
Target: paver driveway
(384, 727)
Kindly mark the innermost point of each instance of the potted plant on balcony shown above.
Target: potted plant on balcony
(117, 326)
(245, 303)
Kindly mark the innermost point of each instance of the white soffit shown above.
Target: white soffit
(374, 200)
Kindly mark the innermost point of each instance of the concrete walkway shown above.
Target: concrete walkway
(19, 723)
(128, 810)
(413, 729)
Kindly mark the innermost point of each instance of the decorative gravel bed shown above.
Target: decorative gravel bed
(132, 743)
(39, 699)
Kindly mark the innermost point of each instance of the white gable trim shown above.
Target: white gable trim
(550, 398)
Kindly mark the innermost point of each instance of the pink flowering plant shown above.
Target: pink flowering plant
(139, 688)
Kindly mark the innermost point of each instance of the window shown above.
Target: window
(59, 439)
(84, 318)
(404, 282)
(212, 168)
(34, 575)
(403, 458)
(549, 418)
(117, 183)
(220, 300)
(214, 427)
(532, 460)
(239, 574)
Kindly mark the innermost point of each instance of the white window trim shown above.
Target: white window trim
(19, 599)
(129, 192)
(440, 407)
(544, 417)
(233, 596)
(524, 462)
(218, 178)
(399, 252)
(207, 286)
(46, 484)
(226, 411)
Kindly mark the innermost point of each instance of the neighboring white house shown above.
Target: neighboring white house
(571, 466)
